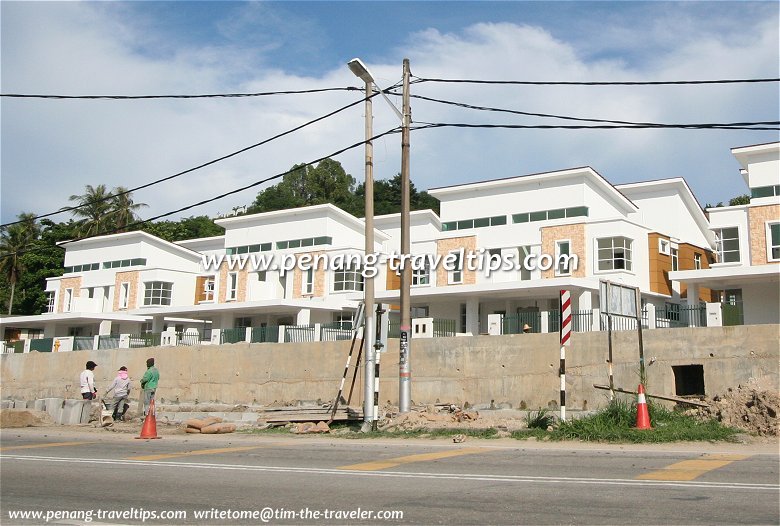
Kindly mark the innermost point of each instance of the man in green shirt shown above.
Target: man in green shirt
(149, 383)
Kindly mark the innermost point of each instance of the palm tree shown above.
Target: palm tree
(14, 240)
(123, 209)
(93, 208)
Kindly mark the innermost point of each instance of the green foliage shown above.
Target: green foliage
(743, 199)
(616, 422)
(540, 419)
(188, 228)
(387, 198)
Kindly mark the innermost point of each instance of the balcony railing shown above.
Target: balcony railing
(265, 334)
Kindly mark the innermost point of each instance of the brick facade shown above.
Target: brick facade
(132, 278)
(758, 216)
(444, 247)
(319, 279)
(575, 234)
(68, 283)
(224, 284)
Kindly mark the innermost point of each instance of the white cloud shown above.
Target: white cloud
(51, 149)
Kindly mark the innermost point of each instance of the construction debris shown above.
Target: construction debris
(211, 425)
(746, 408)
(23, 418)
(309, 427)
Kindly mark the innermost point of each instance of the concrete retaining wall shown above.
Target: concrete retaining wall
(517, 371)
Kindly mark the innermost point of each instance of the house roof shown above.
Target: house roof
(137, 235)
(414, 214)
(691, 203)
(522, 180)
(743, 154)
(323, 210)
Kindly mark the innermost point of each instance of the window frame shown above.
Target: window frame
(720, 241)
(557, 267)
(51, 298)
(163, 299)
(307, 282)
(627, 258)
(674, 254)
(770, 246)
(124, 294)
(232, 286)
(697, 261)
(348, 279)
(455, 276)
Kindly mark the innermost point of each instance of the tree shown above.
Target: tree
(306, 185)
(743, 199)
(94, 207)
(123, 209)
(14, 241)
(186, 228)
(387, 198)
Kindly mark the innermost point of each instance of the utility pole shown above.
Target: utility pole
(404, 366)
(368, 283)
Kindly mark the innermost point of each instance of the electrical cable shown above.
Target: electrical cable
(212, 199)
(606, 83)
(189, 170)
(203, 96)
(427, 125)
(606, 121)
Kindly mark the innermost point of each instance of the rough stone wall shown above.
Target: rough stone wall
(444, 247)
(757, 218)
(576, 236)
(68, 283)
(518, 370)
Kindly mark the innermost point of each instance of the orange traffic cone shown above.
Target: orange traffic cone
(642, 415)
(149, 429)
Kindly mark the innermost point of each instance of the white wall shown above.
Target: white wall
(765, 172)
(639, 275)
(760, 303)
(733, 216)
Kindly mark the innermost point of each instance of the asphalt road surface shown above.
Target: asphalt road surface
(63, 477)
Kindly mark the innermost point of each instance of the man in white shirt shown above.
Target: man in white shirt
(87, 381)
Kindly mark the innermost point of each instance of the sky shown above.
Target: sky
(51, 149)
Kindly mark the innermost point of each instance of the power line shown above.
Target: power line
(606, 121)
(427, 125)
(189, 170)
(202, 96)
(605, 83)
(212, 199)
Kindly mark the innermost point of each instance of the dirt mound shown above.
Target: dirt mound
(24, 418)
(444, 417)
(746, 408)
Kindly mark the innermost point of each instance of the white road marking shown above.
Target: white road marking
(401, 474)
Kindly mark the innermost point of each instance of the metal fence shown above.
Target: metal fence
(188, 338)
(147, 339)
(443, 328)
(394, 329)
(684, 316)
(619, 322)
(265, 334)
(108, 342)
(581, 321)
(514, 323)
(298, 333)
(733, 313)
(83, 343)
(41, 344)
(236, 335)
(335, 331)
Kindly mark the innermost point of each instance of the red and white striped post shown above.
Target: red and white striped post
(565, 335)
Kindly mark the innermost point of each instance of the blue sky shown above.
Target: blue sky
(57, 147)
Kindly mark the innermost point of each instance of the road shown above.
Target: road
(51, 470)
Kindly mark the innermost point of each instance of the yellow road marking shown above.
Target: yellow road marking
(692, 469)
(50, 444)
(423, 457)
(212, 451)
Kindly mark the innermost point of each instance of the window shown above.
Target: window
(247, 249)
(208, 288)
(562, 251)
(242, 323)
(82, 268)
(462, 317)
(664, 247)
(157, 293)
(773, 241)
(765, 191)
(68, 300)
(697, 261)
(124, 263)
(124, 295)
(421, 276)
(544, 215)
(523, 253)
(261, 276)
(455, 275)
(727, 243)
(50, 301)
(675, 259)
(614, 253)
(479, 222)
(348, 279)
(307, 242)
(308, 282)
(343, 320)
(232, 292)
(419, 312)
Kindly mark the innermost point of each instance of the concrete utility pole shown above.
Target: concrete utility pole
(359, 69)
(404, 367)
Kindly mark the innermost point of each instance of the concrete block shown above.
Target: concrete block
(6, 404)
(54, 408)
(76, 412)
(39, 405)
(20, 404)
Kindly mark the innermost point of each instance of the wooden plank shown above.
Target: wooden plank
(669, 398)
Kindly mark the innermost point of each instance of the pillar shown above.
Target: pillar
(472, 316)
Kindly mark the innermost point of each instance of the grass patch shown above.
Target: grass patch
(541, 419)
(615, 423)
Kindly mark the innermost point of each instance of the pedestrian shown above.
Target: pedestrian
(149, 383)
(87, 381)
(121, 388)
(526, 328)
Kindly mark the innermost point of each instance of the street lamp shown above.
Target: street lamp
(359, 69)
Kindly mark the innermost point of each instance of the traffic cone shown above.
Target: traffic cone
(642, 415)
(149, 429)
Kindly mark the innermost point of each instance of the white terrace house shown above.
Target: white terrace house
(137, 284)
(631, 235)
(747, 244)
